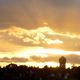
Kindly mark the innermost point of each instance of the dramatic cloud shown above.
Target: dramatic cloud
(42, 36)
(44, 27)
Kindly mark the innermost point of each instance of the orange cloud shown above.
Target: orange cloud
(41, 36)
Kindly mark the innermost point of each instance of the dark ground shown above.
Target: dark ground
(14, 72)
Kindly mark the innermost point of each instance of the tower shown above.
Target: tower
(62, 62)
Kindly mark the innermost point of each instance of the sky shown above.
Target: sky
(62, 15)
(39, 31)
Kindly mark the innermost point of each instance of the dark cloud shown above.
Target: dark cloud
(13, 59)
(73, 59)
(51, 58)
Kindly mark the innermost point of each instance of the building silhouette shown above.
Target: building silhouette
(62, 62)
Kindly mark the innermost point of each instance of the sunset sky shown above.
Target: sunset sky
(39, 32)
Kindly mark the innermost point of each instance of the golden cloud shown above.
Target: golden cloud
(41, 36)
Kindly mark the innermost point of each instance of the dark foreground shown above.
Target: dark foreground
(14, 72)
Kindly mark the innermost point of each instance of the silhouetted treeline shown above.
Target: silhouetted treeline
(14, 72)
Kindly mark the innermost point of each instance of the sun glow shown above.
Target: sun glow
(40, 52)
(44, 52)
(41, 42)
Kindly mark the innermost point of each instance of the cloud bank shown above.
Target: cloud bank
(73, 59)
(13, 59)
(41, 36)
